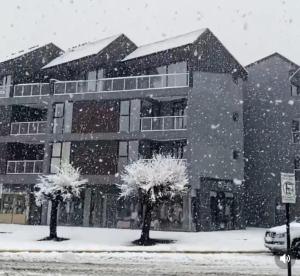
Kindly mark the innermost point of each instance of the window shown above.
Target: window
(295, 90)
(58, 121)
(235, 116)
(123, 149)
(56, 157)
(5, 83)
(296, 131)
(124, 116)
(297, 167)
(235, 154)
(169, 78)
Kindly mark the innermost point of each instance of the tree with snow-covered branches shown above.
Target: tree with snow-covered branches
(153, 181)
(59, 187)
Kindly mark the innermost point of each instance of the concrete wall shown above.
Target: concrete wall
(212, 137)
(268, 113)
(212, 133)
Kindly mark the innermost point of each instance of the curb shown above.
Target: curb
(136, 251)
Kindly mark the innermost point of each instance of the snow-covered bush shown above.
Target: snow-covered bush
(153, 180)
(63, 185)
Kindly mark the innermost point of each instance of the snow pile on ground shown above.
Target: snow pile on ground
(25, 238)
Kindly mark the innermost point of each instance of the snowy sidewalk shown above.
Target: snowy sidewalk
(15, 238)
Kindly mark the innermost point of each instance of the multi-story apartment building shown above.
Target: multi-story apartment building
(272, 144)
(112, 102)
(22, 126)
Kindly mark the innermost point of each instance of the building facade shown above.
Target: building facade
(271, 126)
(109, 103)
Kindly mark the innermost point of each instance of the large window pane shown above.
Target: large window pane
(124, 109)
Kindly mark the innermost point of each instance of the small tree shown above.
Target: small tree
(59, 187)
(153, 181)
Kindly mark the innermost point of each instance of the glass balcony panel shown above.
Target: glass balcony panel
(179, 123)
(130, 84)
(118, 84)
(143, 82)
(91, 86)
(157, 81)
(81, 87)
(23, 128)
(11, 167)
(27, 90)
(38, 166)
(71, 87)
(181, 80)
(107, 85)
(14, 129)
(42, 127)
(59, 88)
(29, 166)
(45, 89)
(36, 90)
(99, 85)
(20, 167)
(146, 124)
(18, 90)
(157, 123)
(169, 123)
(32, 127)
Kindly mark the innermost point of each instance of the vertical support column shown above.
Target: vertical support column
(46, 207)
(47, 147)
(135, 110)
(87, 207)
(133, 150)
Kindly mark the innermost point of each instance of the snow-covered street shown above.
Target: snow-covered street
(140, 264)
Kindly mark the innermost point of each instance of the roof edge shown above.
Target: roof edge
(270, 56)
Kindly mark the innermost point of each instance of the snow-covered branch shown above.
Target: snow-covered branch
(160, 177)
(63, 185)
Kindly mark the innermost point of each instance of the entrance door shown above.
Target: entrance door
(222, 210)
(13, 209)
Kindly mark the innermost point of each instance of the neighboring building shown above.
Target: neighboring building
(112, 103)
(272, 137)
(21, 104)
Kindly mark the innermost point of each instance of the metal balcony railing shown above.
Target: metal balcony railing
(28, 128)
(31, 89)
(24, 166)
(163, 123)
(123, 83)
(5, 90)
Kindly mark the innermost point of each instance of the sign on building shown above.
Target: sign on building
(288, 188)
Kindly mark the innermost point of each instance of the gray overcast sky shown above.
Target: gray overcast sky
(250, 29)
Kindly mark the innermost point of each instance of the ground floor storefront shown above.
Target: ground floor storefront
(217, 205)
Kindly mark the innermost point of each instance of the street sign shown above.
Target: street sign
(288, 188)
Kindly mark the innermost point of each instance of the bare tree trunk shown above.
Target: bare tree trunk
(53, 219)
(145, 237)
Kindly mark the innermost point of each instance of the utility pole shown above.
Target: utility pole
(288, 239)
(288, 195)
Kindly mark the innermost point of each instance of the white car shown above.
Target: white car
(275, 238)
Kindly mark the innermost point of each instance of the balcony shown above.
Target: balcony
(145, 82)
(31, 89)
(163, 123)
(24, 167)
(28, 128)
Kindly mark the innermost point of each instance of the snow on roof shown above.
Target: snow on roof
(166, 44)
(81, 51)
(22, 52)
